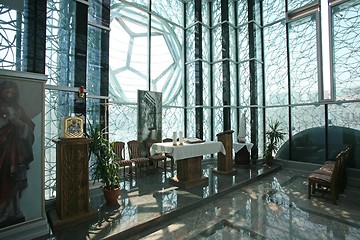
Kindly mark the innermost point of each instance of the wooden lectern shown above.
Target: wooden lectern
(72, 184)
(225, 162)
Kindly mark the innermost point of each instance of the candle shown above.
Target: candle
(181, 138)
(174, 138)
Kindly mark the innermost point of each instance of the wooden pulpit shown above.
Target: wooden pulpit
(225, 162)
(72, 183)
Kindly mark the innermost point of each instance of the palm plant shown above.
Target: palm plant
(106, 168)
(274, 136)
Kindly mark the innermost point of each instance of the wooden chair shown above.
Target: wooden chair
(119, 149)
(135, 157)
(169, 155)
(157, 157)
(343, 170)
(329, 166)
(325, 183)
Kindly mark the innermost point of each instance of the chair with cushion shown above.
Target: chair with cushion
(328, 168)
(344, 165)
(119, 149)
(342, 169)
(321, 181)
(169, 155)
(135, 156)
(157, 157)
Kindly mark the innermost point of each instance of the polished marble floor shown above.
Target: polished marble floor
(252, 203)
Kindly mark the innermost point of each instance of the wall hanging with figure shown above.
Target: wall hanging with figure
(149, 117)
(21, 147)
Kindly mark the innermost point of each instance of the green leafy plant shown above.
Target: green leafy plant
(273, 137)
(106, 168)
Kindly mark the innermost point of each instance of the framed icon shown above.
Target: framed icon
(73, 127)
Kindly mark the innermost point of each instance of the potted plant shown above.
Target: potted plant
(273, 137)
(105, 168)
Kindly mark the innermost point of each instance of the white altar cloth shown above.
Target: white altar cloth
(188, 150)
(237, 146)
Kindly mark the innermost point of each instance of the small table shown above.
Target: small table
(242, 153)
(188, 160)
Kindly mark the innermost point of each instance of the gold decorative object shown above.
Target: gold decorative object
(73, 127)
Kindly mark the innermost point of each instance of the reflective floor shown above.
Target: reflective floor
(253, 203)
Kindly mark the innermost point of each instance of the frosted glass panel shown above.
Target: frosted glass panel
(303, 61)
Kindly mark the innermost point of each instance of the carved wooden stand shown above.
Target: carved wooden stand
(72, 184)
(225, 162)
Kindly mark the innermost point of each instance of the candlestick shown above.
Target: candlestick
(181, 138)
(174, 138)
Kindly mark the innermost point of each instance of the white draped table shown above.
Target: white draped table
(242, 153)
(238, 146)
(188, 160)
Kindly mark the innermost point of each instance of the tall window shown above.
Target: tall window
(146, 53)
(11, 36)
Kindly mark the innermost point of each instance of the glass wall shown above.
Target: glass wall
(60, 69)
(295, 70)
(210, 59)
(344, 113)
(346, 40)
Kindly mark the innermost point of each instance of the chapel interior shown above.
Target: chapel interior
(210, 76)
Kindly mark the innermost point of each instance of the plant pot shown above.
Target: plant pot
(269, 160)
(111, 195)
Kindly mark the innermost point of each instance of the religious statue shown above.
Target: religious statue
(242, 129)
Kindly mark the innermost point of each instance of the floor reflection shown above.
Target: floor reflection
(253, 203)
